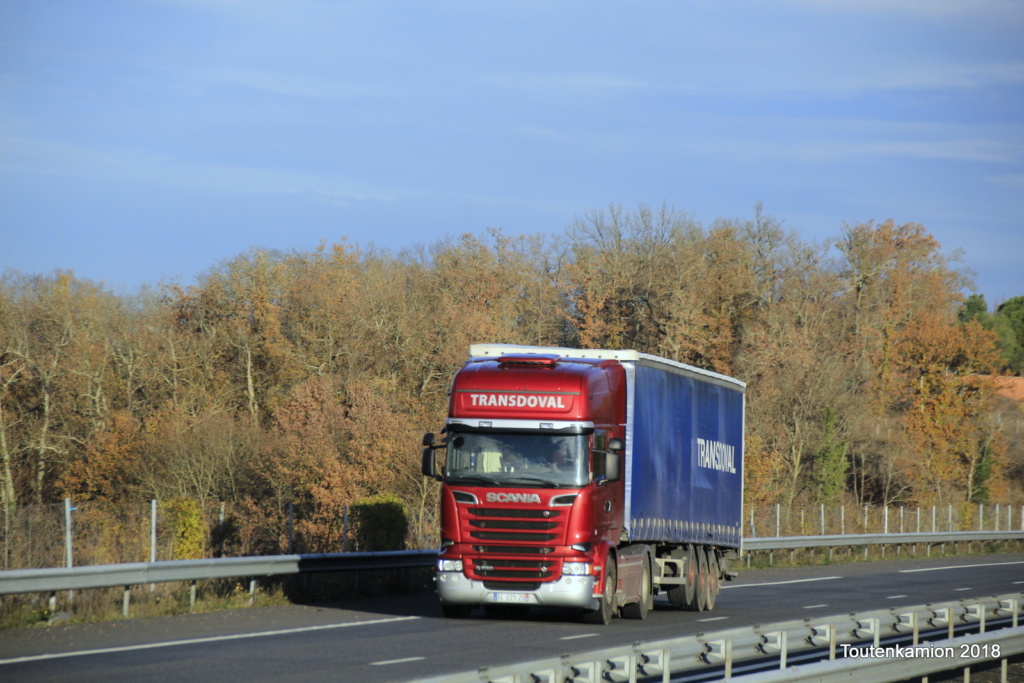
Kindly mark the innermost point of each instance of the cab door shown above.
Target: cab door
(607, 494)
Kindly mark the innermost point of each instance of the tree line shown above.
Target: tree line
(308, 378)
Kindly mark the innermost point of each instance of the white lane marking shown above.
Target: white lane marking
(815, 606)
(196, 641)
(894, 597)
(780, 583)
(955, 590)
(397, 661)
(961, 566)
(582, 635)
(713, 619)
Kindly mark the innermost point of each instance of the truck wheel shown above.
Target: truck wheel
(603, 614)
(639, 609)
(682, 595)
(714, 579)
(455, 611)
(700, 599)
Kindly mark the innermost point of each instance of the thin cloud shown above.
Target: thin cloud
(130, 166)
(287, 83)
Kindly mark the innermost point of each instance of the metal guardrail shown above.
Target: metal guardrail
(878, 645)
(135, 573)
(837, 540)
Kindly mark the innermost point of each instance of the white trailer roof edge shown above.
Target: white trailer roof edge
(495, 350)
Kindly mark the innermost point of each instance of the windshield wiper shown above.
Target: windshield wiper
(535, 480)
(471, 479)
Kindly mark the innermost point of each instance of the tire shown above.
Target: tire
(639, 609)
(681, 595)
(686, 595)
(451, 611)
(700, 598)
(714, 578)
(603, 614)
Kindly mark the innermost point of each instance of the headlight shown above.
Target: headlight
(449, 565)
(576, 569)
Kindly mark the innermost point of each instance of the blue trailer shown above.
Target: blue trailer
(684, 453)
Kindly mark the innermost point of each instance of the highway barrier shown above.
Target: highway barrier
(52, 580)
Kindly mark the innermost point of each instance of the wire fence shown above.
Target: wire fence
(70, 534)
(778, 520)
(81, 534)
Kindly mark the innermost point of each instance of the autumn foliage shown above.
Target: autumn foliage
(289, 387)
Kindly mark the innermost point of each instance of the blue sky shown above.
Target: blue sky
(150, 140)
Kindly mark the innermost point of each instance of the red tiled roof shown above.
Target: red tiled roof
(1010, 387)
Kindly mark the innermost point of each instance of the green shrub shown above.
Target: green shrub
(188, 528)
(379, 523)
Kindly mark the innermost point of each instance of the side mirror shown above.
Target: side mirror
(428, 439)
(429, 464)
(612, 466)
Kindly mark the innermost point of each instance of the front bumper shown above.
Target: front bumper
(569, 591)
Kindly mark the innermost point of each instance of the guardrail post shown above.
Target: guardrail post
(126, 600)
(620, 669)
(944, 617)
(1009, 607)
(192, 597)
(869, 626)
(583, 672)
(822, 634)
(776, 641)
(652, 664)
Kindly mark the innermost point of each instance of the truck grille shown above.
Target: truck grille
(513, 524)
(512, 544)
(514, 512)
(514, 549)
(498, 568)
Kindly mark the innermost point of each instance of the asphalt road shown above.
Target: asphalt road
(400, 638)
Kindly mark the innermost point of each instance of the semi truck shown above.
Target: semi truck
(586, 479)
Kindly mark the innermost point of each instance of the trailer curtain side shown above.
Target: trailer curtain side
(684, 454)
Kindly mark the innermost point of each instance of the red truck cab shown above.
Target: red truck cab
(531, 496)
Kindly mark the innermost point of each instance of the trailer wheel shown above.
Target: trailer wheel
(603, 614)
(683, 596)
(700, 601)
(714, 579)
(640, 608)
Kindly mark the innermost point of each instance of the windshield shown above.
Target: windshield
(517, 459)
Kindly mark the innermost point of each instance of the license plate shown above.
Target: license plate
(511, 597)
